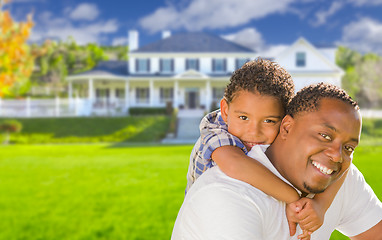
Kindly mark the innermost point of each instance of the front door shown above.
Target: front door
(192, 98)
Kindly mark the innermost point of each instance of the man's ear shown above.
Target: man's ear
(224, 109)
(286, 126)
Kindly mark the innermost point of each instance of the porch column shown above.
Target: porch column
(208, 95)
(151, 93)
(90, 90)
(90, 97)
(176, 97)
(70, 94)
(127, 95)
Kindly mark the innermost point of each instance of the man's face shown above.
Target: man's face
(253, 118)
(319, 145)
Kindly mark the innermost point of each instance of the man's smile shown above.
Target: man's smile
(323, 169)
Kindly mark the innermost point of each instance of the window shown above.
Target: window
(240, 62)
(219, 65)
(120, 93)
(192, 63)
(217, 94)
(300, 59)
(167, 65)
(142, 65)
(166, 95)
(142, 95)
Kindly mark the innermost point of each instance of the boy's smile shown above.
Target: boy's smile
(253, 118)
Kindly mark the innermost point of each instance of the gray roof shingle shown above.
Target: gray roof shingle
(118, 68)
(193, 42)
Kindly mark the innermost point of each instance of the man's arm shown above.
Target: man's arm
(374, 233)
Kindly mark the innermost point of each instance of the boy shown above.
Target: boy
(251, 111)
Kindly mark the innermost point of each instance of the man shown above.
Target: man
(313, 149)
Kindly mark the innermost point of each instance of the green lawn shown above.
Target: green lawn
(105, 191)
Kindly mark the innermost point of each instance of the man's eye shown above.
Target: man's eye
(243, 117)
(327, 137)
(349, 148)
(269, 121)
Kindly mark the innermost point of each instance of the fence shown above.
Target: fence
(60, 107)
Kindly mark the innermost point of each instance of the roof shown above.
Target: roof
(193, 42)
(108, 68)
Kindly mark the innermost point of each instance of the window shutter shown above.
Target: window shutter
(148, 65)
(172, 65)
(213, 65)
(161, 65)
(197, 65)
(136, 65)
(224, 65)
(187, 64)
(237, 63)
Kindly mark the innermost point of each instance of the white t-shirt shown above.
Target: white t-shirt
(220, 207)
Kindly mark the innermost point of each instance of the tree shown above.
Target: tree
(63, 58)
(362, 76)
(16, 60)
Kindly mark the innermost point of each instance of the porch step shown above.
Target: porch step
(187, 128)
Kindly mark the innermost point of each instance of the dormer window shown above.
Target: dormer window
(300, 59)
(167, 65)
(240, 62)
(218, 65)
(142, 65)
(192, 63)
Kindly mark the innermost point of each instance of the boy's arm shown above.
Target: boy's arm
(230, 154)
(233, 162)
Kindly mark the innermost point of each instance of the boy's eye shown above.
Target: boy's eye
(326, 137)
(243, 117)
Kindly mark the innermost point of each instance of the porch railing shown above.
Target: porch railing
(61, 107)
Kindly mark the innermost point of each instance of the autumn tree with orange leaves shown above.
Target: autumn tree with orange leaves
(16, 60)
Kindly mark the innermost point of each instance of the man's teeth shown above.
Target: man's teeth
(323, 169)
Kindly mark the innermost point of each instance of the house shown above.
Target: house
(188, 70)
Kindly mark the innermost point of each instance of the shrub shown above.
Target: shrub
(147, 111)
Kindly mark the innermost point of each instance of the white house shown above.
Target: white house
(187, 70)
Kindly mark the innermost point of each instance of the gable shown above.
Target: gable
(315, 61)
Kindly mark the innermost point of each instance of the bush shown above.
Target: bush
(147, 111)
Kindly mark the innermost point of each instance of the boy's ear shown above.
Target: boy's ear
(286, 126)
(224, 109)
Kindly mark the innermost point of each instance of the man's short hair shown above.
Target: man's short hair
(308, 98)
(262, 76)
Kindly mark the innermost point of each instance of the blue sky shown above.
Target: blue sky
(258, 24)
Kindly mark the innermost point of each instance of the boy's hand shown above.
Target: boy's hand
(311, 216)
(307, 213)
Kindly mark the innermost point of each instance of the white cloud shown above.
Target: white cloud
(212, 14)
(364, 35)
(248, 37)
(53, 27)
(322, 16)
(366, 2)
(85, 11)
(119, 41)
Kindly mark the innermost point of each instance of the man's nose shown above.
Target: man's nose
(334, 152)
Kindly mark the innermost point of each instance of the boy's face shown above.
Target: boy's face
(253, 118)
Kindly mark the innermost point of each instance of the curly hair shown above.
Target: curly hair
(264, 77)
(308, 98)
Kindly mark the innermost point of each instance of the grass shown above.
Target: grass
(103, 191)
